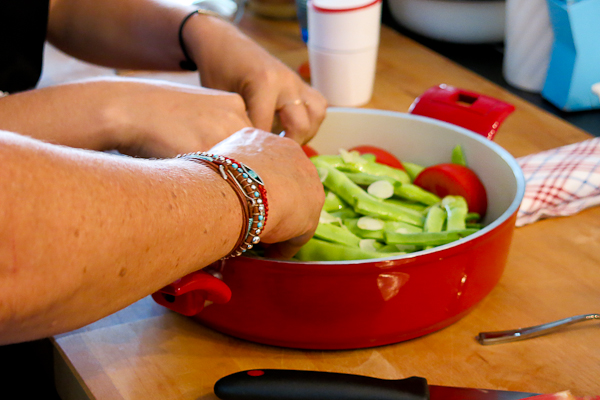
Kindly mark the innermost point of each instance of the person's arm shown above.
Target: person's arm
(83, 234)
(137, 117)
(143, 34)
(127, 34)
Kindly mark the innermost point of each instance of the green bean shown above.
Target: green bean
(408, 248)
(320, 250)
(352, 225)
(472, 216)
(412, 169)
(334, 161)
(364, 179)
(333, 202)
(380, 170)
(345, 213)
(336, 234)
(401, 227)
(383, 210)
(434, 222)
(427, 238)
(458, 157)
(456, 210)
(412, 192)
(340, 184)
(408, 204)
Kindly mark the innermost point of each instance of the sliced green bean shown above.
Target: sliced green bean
(333, 202)
(456, 210)
(412, 169)
(320, 250)
(382, 170)
(364, 179)
(458, 157)
(334, 161)
(340, 184)
(375, 208)
(472, 216)
(401, 227)
(412, 192)
(345, 213)
(427, 238)
(336, 234)
(434, 222)
(352, 225)
(408, 248)
(370, 245)
(408, 204)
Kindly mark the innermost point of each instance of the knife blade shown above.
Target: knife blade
(278, 384)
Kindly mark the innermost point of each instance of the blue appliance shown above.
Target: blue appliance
(575, 61)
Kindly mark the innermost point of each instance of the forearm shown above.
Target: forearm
(137, 34)
(75, 115)
(84, 234)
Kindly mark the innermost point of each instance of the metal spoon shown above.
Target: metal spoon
(497, 337)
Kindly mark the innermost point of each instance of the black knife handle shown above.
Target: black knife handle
(276, 384)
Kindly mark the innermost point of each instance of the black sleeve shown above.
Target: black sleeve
(23, 27)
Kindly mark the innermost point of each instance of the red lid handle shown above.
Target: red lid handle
(473, 111)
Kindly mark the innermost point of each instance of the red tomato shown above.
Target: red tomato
(454, 179)
(381, 156)
(309, 151)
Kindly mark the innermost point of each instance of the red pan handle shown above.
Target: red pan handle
(473, 111)
(188, 295)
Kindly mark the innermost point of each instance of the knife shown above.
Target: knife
(278, 384)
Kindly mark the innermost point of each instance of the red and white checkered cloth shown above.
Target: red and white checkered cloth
(561, 181)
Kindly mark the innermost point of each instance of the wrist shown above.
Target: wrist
(185, 37)
(251, 193)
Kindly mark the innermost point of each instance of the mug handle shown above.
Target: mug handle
(476, 112)
(189, 295)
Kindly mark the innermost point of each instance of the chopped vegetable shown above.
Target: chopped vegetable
(454, 179)
(370, 224)
(381, 189)
(381, 156)
(458, 157)
(309, 151)
(373, 210)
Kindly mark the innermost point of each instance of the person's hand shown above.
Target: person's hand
(161, 119)
(294, 192)
(228, 60)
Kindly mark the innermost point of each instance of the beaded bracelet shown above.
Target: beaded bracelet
(251, 191)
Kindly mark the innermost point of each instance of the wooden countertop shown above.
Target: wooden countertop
(553, 272)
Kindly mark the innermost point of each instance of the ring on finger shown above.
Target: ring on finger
(297, 102)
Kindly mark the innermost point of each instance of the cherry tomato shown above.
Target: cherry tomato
(309, 151)
(454, 179)
(381, 156)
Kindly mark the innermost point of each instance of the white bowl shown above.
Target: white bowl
(458, 21)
